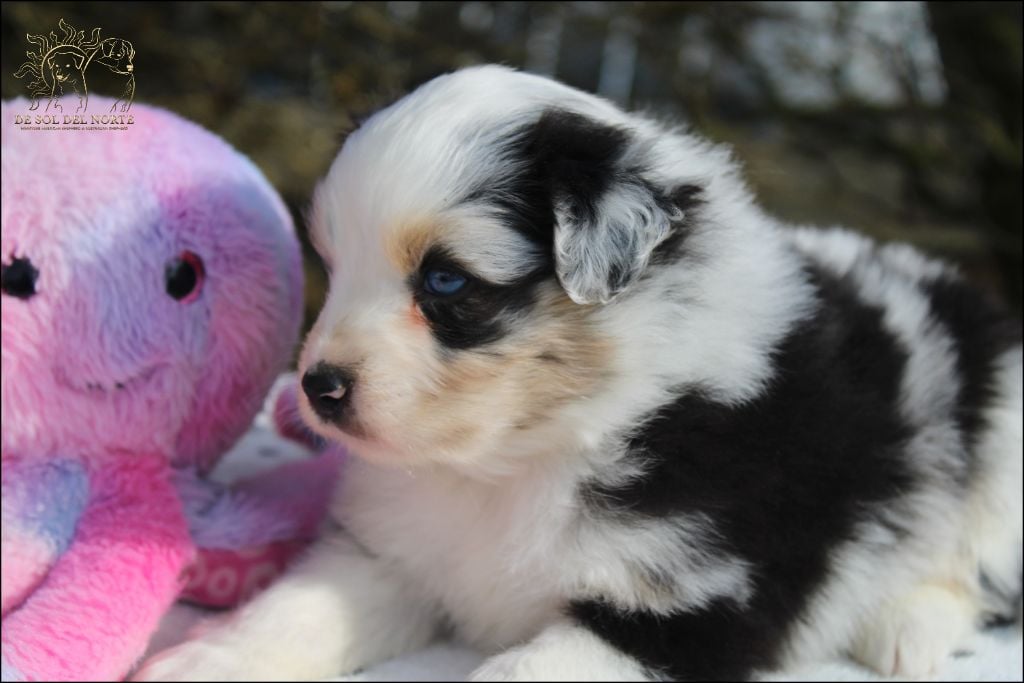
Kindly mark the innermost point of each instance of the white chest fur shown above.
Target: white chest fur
(503, 559)
(492, 556)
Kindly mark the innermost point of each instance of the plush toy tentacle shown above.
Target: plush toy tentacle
(247, 533)
(284, 503)
(92, 617)
(284, 402)
(41, 505)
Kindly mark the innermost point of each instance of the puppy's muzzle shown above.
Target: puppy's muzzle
(329, 390)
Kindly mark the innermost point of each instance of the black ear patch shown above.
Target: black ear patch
(607, 217)
(578, 157)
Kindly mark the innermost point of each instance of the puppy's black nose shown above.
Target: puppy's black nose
(328, 389)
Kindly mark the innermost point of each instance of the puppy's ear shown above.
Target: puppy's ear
(608, 218)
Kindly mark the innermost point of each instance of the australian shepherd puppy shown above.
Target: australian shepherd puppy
(614, 422)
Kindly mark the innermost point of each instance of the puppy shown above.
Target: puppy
(616, 423)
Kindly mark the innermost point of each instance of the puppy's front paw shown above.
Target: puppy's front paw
(562, 652)
(526, 664)
(509, 666)
(914, 636)
(200, 660)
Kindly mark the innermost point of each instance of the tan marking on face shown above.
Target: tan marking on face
(520, 382)
(416, 402)
(406, 244)
(566, 358)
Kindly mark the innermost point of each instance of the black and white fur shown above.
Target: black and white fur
(663, 436)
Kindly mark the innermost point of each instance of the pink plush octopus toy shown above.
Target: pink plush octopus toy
(152, 291)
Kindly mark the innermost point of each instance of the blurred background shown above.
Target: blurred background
(899, 119)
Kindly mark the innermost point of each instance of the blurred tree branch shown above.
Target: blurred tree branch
(981, 48)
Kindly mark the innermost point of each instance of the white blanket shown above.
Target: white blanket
(994, 655)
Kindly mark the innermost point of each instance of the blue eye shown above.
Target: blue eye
(443, 282)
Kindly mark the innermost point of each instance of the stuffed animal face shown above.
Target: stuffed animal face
(151, 289)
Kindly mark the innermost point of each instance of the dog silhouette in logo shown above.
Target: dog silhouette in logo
(117, 55)
(60, 65)
(64, 73)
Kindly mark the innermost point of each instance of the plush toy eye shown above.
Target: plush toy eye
(185, 277)
(443, 282)
(19, 278)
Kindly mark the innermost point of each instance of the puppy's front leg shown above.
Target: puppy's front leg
(563, 652)
(337, 610)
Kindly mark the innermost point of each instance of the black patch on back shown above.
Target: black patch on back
(785, 478)
(982, 332)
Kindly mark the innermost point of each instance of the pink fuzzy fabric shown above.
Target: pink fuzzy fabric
(26, 558)
(95, 611)
(108, 382)
(101, 214)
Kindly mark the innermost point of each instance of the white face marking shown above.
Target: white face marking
(478, 238)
